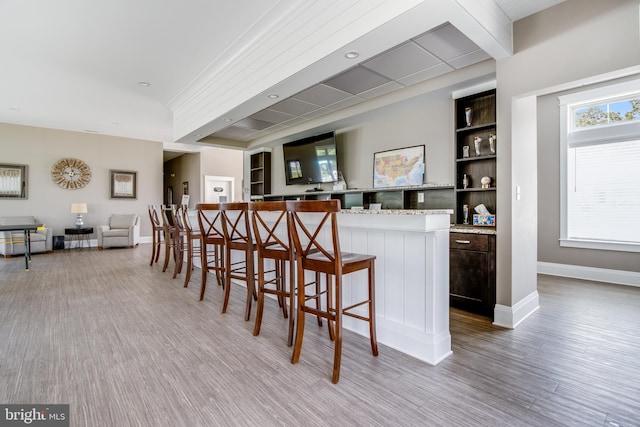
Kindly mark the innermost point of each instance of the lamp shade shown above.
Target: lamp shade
(78, 208)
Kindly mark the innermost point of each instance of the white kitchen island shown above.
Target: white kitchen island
(412, 277)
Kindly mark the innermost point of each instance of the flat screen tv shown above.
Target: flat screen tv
(311, 160)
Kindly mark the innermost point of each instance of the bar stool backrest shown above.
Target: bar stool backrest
(315, 238)
(269, 226)
(210, 222)
(235, 224)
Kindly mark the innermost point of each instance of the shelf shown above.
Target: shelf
(477, 127)
(474, 159)
(469, 190)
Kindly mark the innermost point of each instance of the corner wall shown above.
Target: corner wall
(576, 40)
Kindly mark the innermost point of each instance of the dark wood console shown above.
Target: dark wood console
(472, 272)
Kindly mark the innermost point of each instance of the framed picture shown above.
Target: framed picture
(185, 188)
(399, 168)
(13, 181)
(124, 184)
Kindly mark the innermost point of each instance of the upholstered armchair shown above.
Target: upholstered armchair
(122, 231)
(12, 242)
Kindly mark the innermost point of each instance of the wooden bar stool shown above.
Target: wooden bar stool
(156, 232)
(179, 236)
(238, 238)
(270, 231)
(212, 243)
(193, 240)
(313, 254)
(170, 238)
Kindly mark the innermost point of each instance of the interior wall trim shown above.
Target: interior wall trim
(510, 317)
(618, 277)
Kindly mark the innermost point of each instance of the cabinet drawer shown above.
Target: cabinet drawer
(472, 242)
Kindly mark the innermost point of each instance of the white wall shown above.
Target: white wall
(40, 148)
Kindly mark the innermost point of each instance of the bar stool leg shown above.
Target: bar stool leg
(337, 328)
(260, 307)
(372, 312)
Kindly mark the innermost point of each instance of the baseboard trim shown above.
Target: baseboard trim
(618, 277)
(510, 317)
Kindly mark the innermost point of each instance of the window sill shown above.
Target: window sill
(600, 245)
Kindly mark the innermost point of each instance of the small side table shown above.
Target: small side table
(81, 235)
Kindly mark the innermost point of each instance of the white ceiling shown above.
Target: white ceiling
(76, 64)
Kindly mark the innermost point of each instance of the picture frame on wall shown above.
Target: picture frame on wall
(13, 181)
(399, 168)
(185, 188)
(124, 184)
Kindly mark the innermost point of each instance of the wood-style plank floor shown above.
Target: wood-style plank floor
(125, 345)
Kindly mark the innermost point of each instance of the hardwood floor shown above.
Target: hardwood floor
(125, 345)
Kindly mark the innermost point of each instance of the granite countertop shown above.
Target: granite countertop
(398, 211)
(470, 229)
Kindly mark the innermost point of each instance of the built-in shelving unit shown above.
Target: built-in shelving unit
(260, 174)
(472, 256)
(475, 121)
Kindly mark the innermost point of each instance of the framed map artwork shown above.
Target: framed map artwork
(399, 168)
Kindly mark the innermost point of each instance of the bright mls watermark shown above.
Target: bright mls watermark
(34, 415)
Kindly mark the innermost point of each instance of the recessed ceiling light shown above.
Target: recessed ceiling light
(14, 109)
(351, 54)
(197, 135)
(144, 84)
(273, 96)
(92, 131)
(228, 120)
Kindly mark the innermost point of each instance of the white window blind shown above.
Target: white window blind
(603, 194)
(600, 168)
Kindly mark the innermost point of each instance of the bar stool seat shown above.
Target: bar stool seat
(309, 222)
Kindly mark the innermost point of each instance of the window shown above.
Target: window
(600, 180)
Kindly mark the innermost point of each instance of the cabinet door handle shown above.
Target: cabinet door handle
(463, 242)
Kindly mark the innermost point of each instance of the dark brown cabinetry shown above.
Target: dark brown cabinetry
(260, 174)
(472, 272)
(472, 258)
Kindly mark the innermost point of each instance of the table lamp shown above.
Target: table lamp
(79, 208)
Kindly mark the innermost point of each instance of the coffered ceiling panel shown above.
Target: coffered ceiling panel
(402, 61)
(322, 95)
(446, 43)
(356, 80)
(294, 106)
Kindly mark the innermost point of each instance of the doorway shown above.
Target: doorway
(218, 189)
